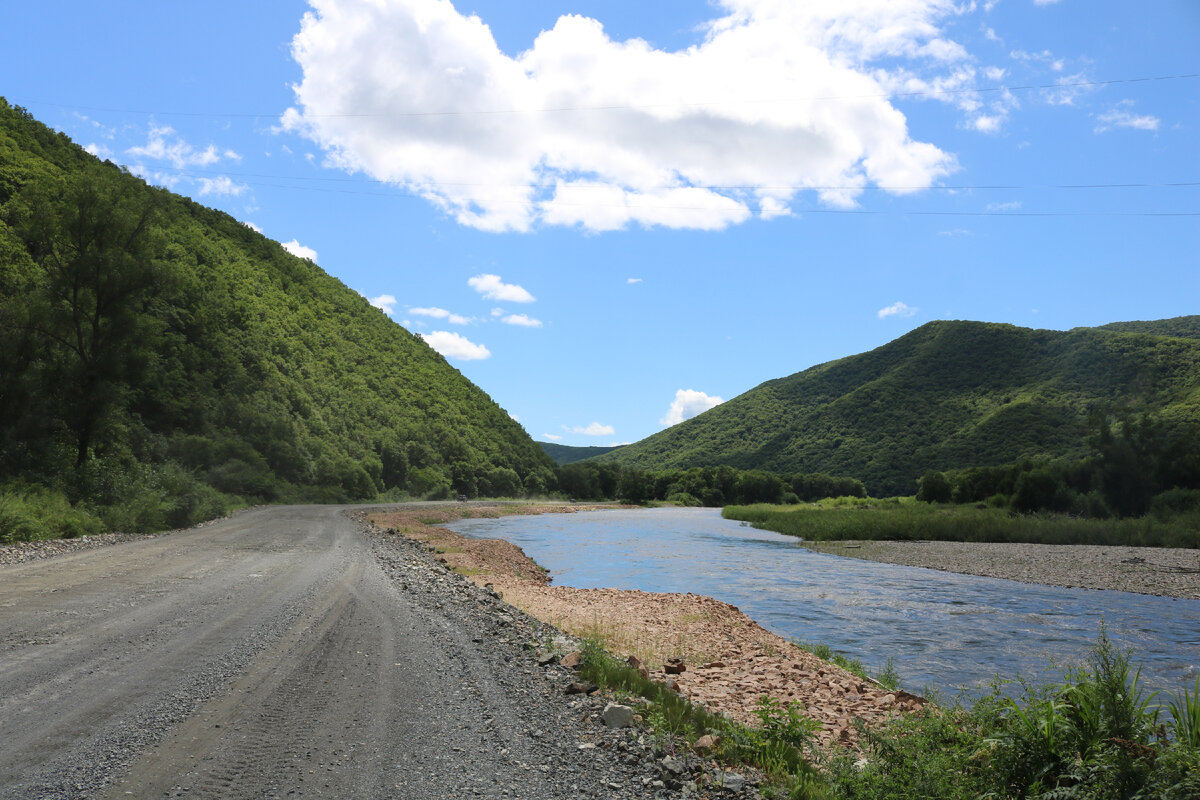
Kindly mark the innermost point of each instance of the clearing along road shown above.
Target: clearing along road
(283, 653)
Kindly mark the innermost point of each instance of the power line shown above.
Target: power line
(633, 106)
(714, 187)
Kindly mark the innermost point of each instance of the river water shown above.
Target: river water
(944, 631)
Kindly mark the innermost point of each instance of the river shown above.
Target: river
(944, 631)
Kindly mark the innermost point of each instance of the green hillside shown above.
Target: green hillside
(945, 396)
(150, 344)
(566, 454)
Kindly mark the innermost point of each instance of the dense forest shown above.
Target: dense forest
(947, 396)
(567, 454)
(161, 361)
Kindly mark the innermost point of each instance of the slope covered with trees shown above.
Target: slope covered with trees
(158, 358)
(949, 395)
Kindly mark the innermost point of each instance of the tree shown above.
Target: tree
(934, 487)
(97, 253)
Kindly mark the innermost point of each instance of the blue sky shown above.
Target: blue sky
(611, 215)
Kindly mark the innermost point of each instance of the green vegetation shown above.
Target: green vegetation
(699, 486)
(911, 520)
(947, 396)
(1095, 734)
(566, 454)
(161, 363)
(777, 748)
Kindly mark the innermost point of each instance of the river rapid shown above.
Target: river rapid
(946, 632)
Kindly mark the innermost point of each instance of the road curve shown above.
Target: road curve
(278, 653)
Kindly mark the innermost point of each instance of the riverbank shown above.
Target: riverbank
(1160, 571)
(729, 660)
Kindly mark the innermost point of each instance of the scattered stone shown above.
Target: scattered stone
(581, 688)
(731, 781)
(673, 765)
(674, 667)
(616, 715)
(706, 744)
(572, 660)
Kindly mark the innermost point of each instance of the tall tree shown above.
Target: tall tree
(97, 252)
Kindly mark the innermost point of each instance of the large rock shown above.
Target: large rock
(617, 716)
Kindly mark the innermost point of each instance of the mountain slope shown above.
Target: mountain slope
(208, 347)
(947, 395)
(568, 454)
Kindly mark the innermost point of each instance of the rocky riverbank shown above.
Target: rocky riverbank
(729, 661)
(1165, 572)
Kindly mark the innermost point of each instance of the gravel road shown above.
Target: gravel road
(285, 652)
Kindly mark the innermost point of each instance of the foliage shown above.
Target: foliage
(947, 396)
(1096, 735)
(913, 521)
(169, 341)
(29, 512)
(775, 747)
(706, 486)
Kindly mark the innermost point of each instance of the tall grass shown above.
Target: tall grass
(899, 520)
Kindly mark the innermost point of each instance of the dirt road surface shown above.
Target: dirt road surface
(279, 653)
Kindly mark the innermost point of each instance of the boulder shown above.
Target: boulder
(616, 715)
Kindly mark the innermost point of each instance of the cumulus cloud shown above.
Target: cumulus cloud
(522, 321)
(897, 310)
(554, 437)
(99, 151)
(452, 345)
(222, 186)
(300, 251)
(441, 313)
(584, 130)
(1121, 116)
(385, 303)
(163, 144)
(491, 287)
(687, 404)
(595, 429)
(252, 226)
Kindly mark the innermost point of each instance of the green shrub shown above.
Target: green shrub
(32, 513)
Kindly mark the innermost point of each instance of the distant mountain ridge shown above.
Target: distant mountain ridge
(949, 394)
(568, 454)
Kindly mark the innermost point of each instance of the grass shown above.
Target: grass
(907, 520)
(776, 747)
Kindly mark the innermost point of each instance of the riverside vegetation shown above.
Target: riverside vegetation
(1097, 734)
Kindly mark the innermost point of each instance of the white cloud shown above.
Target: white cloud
(687, 404)
(954, 232)
(554, 437)
(1120, 116)
(633, 280)
(583, 130)
(222, 186)
(300, 251)
(595, 429)
(491, 287)
(452, 345)
(163, 144)
(1044, 2)
(522, 321)
(252, 226)
(897, 310)
(1002, 208)
(385, 303)
(441, 313)
(99, 151)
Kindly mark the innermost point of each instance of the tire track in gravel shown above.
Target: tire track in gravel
(281, 653)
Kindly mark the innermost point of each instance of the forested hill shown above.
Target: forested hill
(945, 396)
(150, 344)
(567, 454)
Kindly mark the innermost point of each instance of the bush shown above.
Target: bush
(29, 513)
